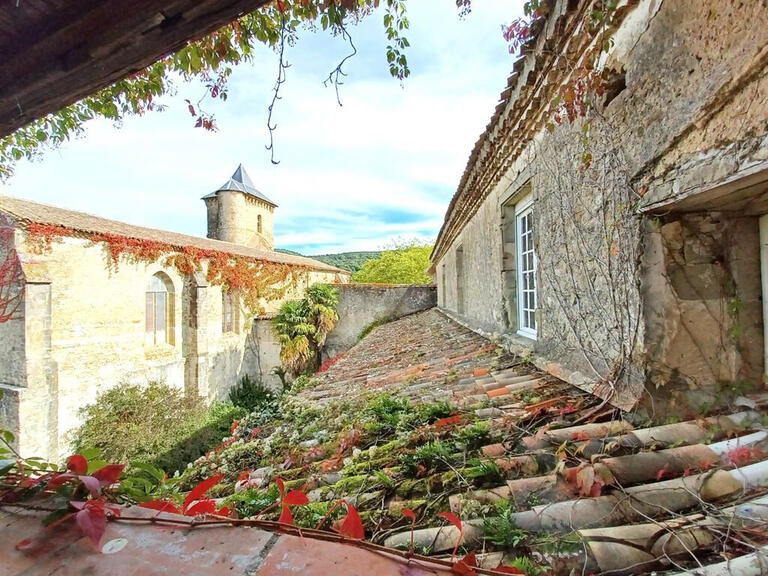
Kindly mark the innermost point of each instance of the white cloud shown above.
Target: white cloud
(383, 165)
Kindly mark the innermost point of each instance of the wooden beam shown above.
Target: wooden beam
(53, 57)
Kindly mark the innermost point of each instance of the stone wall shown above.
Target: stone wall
(692, 115)
(84, 332)
(234, 217)
(362, 304)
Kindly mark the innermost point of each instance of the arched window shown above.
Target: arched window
(160, 310)
(258, 223)
(230, 308)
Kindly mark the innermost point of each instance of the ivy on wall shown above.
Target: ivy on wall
(257, 281)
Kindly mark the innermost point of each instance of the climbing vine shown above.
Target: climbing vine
(256, 280)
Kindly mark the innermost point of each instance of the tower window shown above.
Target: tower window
(258, 223)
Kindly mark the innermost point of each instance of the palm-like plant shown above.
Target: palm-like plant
(322, 300)
(303, 325)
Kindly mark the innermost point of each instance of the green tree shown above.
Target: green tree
(302, 326)
(209, 61)
(405, 263)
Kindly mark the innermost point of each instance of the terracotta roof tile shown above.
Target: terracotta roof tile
(26, 211)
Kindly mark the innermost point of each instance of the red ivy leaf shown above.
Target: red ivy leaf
(200, 508)
(92, 521)
(200, 490)
(224, 511)
(453, 519)
(352, 526)
(109, 474)
(407, 512)
(466, 566)
(244, 476)
(281, 487)
(295, 498)
(91, 484)
(285, 516)
(77, 464)
(508, 569)
(162, 506)
(663, 472)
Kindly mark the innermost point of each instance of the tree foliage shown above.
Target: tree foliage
(209, 60)
(406, 263)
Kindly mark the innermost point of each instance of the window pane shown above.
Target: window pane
(150, 313)
(160, 317)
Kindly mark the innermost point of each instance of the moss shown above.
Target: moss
(368, 466)
(412, 487)
(296, 484)
(350, 484)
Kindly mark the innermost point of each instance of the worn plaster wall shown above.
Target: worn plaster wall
(693, 114)
(84, 332)
(703, 303)
(362, 304)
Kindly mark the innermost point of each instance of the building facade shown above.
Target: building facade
(622, 248)
(87, 322)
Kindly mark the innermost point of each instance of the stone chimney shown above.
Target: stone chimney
(241, 214)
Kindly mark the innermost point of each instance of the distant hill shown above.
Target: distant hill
(351, 261)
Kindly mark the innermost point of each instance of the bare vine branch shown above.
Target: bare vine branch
(337, 73)
(281, 77)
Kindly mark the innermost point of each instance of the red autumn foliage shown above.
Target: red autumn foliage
(91, 517)
(448, 422)
(466, 566)
(11, 277)
(195, 503)
(456, 521)
(408, 513)
(254, 279)
(743, 455)
(328, 363)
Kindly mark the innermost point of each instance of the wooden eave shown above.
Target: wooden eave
(56, 52)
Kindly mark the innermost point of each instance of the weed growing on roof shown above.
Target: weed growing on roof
(473, 436)
(422, 414)
(527, 566)
(252, 501)
(501, 529)
(252, 395)
(426, 458)
(383, 413)
(484, 472)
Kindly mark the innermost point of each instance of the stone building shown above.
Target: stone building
(88, 321)
(622, 249)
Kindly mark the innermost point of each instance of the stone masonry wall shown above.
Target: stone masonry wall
(361, 304)
(84, 332)
(694, 112)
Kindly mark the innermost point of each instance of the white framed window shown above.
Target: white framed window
(160, 310)
(526, 268)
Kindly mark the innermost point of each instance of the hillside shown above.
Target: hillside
(351, 261)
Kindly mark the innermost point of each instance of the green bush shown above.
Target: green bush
(155, 423)
(251, 394)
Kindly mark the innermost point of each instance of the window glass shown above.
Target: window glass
(526, 258)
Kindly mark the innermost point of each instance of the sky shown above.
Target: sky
(382, 166)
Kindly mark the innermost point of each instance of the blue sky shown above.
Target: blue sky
(382, 166)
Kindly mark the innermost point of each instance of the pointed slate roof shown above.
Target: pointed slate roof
(241, 182)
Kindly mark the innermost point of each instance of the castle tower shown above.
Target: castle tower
(239, 213)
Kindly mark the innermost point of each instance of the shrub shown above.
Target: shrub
(251, 394)
(155, 423)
